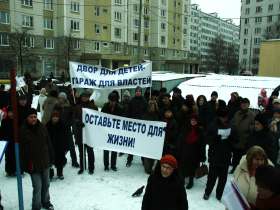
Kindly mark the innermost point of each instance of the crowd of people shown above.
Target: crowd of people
(238, 138)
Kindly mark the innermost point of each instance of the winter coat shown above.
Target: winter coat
(275, 129)
(219, 152)
(233, 107)
(57, 133)
(171, 138)
(48, 106)
(117, 110)
(182, 118)
(202, 115)
(165, 193)
(191, 154)
(265, 140)
(36, 148)
(78, 121)
(211, 110)
(4, 99)
(137, 107)
(242, 125)
(272, 203)
(245, 182)
(22, 114)
(177, 103)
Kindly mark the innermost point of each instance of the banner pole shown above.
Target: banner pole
(16, 137)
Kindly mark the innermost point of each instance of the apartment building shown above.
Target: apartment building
(101, 32)
(258, 18)
(204, 29)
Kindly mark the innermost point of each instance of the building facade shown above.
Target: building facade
(204, 29)
(258, 18)
(43, 36)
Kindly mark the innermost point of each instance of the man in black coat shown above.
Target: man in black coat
(114, 108)
(165, 189)
(136, 109)
(37, 157)
(219, 153)
(212, 107)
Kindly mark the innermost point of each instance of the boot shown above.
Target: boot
(190, 184)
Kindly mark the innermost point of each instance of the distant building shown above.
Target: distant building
(204, 28)
(257, 19)
(269, 58)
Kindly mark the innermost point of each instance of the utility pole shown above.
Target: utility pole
(139, 32)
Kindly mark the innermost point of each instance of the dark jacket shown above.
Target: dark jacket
(78, 121)
(202, 115)
(219, 152)
(137, 107)
(57, 133)
(22, 113)
(265, 140)
(4, 99)
(36, 148)
(177, 103)
(165, 193)
(116, 111)
(211, 110)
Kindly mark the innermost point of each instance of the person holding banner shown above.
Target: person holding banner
(78, 125)
(114, 108)
(165, 189)
(136, 109)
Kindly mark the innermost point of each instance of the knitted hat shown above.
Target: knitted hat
(177, 90)
(214, 93)
(31, 111)
(170, 160)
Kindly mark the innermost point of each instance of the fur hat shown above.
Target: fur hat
(170, 160)
(214, 93)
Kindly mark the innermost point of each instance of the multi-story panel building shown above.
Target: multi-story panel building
(101, 32)
(204, 29)
(257, 20)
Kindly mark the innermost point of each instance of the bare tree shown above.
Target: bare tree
(216, 54)
(273, 31)
(20, 44)
(231, 60)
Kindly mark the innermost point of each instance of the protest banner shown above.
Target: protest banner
(233, 199)
(96, 77)
(120, 134)
(3, 145)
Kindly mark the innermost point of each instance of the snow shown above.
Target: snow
(246, 86)
(100, 191)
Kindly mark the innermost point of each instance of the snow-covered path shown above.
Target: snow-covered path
(100, 191)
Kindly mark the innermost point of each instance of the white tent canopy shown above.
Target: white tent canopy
(246, 86)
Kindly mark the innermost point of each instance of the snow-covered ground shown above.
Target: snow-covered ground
(100, 191)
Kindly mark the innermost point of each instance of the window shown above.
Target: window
(135, 36)
(246, 21)
(4, 39)
(247, 1)
(135, 51)
(135, 7)
(49, 43)
(162, 52)
(48, 23)
(245, 41)
(258, 9)
(28, 42)
(27, 21)
(96, 11)
(268, 29)
(163, 26)
(258, 30)
(146, 10)
(118, 16)
(185, 31)
(162, 39)
(245, 51)
(270, 7)
(256, 51)
(245, 31)
(48, 4)
(75, 43)
(75, 6)
(97, 28)
(269, 19)
(163, 2)
(258, 19)
(257, 41)
(118, 1)
(136, 22)
(146, 23)
(118, 32)
(163, 13)
(117, 47)
(75, 25)
(4, 17)
(146, 52)
(28, 3)
(247, 11)
(96, 46)
(146, 38)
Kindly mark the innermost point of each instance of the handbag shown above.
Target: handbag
(201, 171)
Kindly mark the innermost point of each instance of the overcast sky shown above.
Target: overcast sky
(224, 8)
